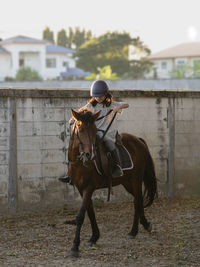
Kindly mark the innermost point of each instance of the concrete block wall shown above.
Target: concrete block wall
(187, 146)
(147, 118)
(42, 142)
(34, 141)
(4, 151)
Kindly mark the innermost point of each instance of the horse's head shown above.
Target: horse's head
(84, 133)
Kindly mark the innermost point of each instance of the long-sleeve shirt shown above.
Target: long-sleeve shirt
(104, 122)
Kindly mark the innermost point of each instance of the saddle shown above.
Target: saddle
(103, 161)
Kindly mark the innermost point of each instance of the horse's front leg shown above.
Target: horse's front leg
(95, 229)
(79, 222)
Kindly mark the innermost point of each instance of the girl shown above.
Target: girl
(102, 99)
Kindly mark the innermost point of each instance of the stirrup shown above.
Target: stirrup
(117, 171)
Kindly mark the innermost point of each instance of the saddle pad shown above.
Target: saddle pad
(125, 161)
(125, 158)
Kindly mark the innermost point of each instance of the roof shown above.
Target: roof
(3, 50)
(23, 39)
(181, 50)
(74, 72)
(51, 48)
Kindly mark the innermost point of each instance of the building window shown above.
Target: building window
(180, 63)
(65, 64)
(163, 65)
(51, 63)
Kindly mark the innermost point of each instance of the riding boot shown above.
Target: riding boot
(66, 179)
(117, 170)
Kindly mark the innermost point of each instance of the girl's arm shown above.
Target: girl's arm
(120, 107)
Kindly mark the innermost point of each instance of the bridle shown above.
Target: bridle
(83, 155)
(86, 156)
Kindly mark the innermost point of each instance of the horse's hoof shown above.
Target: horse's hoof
(91, 244)
(149, 229)
(74, 254)
(131, 236)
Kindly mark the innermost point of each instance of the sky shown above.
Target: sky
(159, 23)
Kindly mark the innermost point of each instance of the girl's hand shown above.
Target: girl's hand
(116, 109)
(71, 121)
(119, 108)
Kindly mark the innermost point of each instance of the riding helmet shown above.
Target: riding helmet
(99, 88)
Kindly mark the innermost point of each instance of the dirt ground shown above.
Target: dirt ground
(42, 238)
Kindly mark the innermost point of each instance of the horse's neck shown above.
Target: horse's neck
(73, 151)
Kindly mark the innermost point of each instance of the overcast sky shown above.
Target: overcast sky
(159, 23)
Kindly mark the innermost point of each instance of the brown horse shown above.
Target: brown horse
(85, 177)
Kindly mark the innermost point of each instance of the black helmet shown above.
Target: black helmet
(99, 88)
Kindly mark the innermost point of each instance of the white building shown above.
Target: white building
(175, 57)
(47, 59)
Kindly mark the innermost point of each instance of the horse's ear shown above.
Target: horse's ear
(75, 115)
(96, 115)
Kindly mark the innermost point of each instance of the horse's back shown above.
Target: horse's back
(132, 142)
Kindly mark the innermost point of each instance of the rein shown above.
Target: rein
(82, 154)
(108, 126)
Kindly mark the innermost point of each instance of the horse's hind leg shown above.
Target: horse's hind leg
(143, 220)
(137, 203)
(95, 229)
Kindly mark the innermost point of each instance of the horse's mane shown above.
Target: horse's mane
(86, 116)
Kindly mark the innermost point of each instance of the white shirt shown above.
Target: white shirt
(104, 122)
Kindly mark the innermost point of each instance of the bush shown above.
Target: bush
(9, 79)
(27, 74)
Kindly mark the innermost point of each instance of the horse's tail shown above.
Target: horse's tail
(150, 180)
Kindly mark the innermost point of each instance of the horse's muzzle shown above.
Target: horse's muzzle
(87, 157)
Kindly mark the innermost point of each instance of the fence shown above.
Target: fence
(34, 141)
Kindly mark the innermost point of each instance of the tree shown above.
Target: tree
(139, 67)
(76, 37)
(47, 34)
(62, 38)
(112, 49)
(69, 37)
(104, 73)
(81, 36)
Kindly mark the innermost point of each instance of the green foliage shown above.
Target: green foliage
(62, 38)
(47, 34)
(139, 67)
(196, 69)
(184, 71)
(70, 37)
(104, 73)
(73, 38)
(9, 79)
(27, 74)
(112, 49)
